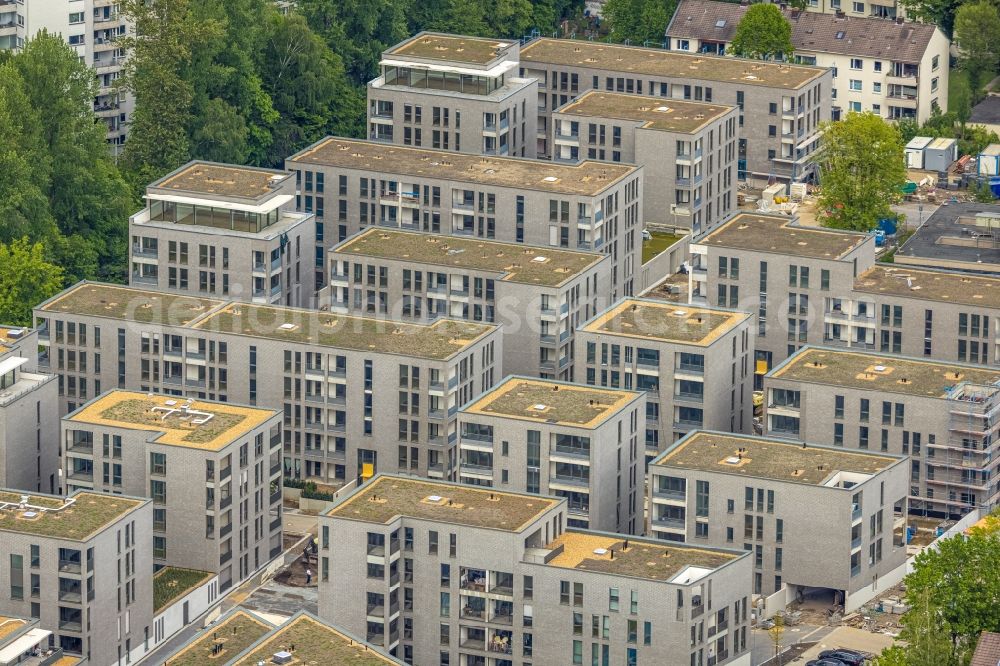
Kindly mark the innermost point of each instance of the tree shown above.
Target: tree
(776, 632)
(763, 33)
(26, 279)
(638, 21)
(938, 12)
(960, 101)
(977, 35)
(861, 171)
(908, 128)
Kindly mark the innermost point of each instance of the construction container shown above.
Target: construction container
(915, 151)
(940, 154)
(988, 162)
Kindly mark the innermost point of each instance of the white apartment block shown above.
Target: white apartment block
(538, 295)
(91, 28)
(687, 151)
(892, 68)
(576, 442)
(453, 93)
(693, 363)
(221, 230)
(441, 573)
(212, 470)
(351, 184)
(814, 517)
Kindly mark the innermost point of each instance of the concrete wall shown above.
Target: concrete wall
(664, 264)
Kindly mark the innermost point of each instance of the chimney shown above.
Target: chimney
(899, 20)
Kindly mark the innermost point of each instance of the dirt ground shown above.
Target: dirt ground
(295, 573)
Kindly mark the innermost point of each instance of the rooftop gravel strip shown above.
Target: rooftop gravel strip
(221, 180)
(88, 514)
(658, 113)
(768, 458)
(8, 625)
(453, 48)
(438, 340)
(779, 235)
(885, 374)
(585, 178)
(666, 322)
(547, 267)
(642, 559)
(313, 642)
(658, 62)
(944, 286)
(127, 303)
(236, 633)
(387, 497)
(548, 401)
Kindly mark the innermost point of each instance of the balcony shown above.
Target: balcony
(669, 523)
(670, 495)
(570, 481)
(225, 530)
(571, 451)
(225, 557)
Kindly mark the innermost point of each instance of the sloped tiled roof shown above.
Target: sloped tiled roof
(987, 650)
(811, 31)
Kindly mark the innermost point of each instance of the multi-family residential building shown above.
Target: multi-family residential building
(29, 444)
(894, 69)
(448, 573)
(83, 567)
(208, 465)
(454, 93)
(813, 516)
(795, 97)
(240, 638)
(885, 9)
(961, 236)
(317, 368)
(539, 295)
(687, 150)
(585, 206)
(694, 364)
(91, 28)
(22, 342)
(780, 271)
(940, 414)
(565, 440)
(23, 641)
(218, 229)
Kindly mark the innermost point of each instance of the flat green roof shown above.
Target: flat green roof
(885, 374)
(172, 583)
(641, 61)
(586, 178)
(313, 642)
(75, 518)
(548, 267)
(656, 113)
(546, 401)
(775, 459)
(451, 48)
(235, 633)
(438, 340)
(943, 286)
(780, 235)
(661, 321)
(129, 303)
(386, 497)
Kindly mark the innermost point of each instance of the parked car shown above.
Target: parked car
(848, 657)
(825, 662)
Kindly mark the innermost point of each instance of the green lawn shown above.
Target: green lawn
(954, 76)
(660, 242)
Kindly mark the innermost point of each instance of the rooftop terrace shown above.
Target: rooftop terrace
(666, 322)
(551, 402)
(75, 518)
(221, 180)
(885, 374)
(234, 634)
(548, 267)
(172, 583)
(778, 234)
(642, 558)
(127, 303)
(386, 497)
(764, 458)
(7, 341)
(313, 642)
(961, 288)
(438, 340)
(196, 424)
(657, 62)
(657, 113)
(583, 178)
(451, 48)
